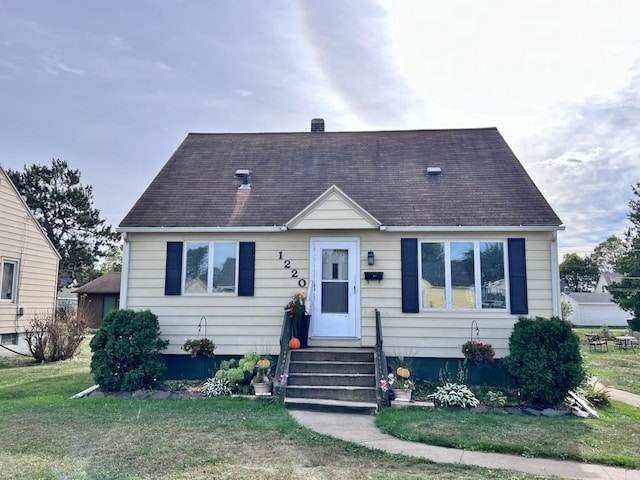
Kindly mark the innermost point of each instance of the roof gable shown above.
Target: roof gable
(333, 210)
(30, 217)
(386, 174)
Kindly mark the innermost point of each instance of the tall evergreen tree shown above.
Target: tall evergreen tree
(64, 208)
(626, 293)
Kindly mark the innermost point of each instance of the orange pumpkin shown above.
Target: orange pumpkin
(294, 343)
(403, 372)
(264, 363)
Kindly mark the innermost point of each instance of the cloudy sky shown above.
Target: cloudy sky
(114, 87)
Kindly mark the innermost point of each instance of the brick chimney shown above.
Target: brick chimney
(317, 125)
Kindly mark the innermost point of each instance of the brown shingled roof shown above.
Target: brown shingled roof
(482, 182)
(107, 283)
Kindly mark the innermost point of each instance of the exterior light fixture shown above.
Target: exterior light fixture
(371, 259)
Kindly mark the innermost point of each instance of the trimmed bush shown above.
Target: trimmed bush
(126, 351)
(544, 360)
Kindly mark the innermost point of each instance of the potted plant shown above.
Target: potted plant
(296, 309)
(478, 353)
(262, 382)
(399, 383)
(199, 346)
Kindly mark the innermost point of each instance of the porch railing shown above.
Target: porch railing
(281, 366)
(381, 365)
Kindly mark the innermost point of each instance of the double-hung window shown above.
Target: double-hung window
(8, 285)
(463, 275)
(210, 267)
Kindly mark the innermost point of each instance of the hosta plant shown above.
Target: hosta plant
(216, 387)
(454, 395)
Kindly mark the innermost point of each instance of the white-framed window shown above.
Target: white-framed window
(468, 275)
(8, 284)
(210, 268)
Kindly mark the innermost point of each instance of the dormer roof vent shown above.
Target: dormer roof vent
(433, 171)
(243, 174)
(317, 125)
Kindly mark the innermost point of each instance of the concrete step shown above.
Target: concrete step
(296, 366)
(318, 354)
(367, 408)
(344, 393)
(332, 379)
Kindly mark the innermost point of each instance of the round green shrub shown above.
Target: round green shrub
(544, 361)
(126, 352)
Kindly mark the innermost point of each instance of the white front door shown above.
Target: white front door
(336, 303)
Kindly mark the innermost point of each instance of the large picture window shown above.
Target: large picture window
(8, 286)
(463, 275)
(210, 267)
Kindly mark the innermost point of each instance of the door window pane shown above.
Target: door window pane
(335, 297)
(335, 281)
(492, 275)
(463, 292)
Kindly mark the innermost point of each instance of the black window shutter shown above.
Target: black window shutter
(518, 276)
(246, 269)
(173, 274)
(409, 259)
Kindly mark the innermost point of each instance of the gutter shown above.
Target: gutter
(255, 229)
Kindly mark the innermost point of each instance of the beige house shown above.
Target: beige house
(435, 229)
(29, 268)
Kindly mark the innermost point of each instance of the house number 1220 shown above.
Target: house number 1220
(294, 272)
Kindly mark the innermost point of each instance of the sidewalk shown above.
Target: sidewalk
(361, 429)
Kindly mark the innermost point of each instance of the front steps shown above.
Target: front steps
(332, 379)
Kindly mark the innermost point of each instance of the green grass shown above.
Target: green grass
(611, 439)
(615, 368)
(46, 435)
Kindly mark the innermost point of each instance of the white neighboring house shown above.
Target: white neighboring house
(595, 309)
(28, 269)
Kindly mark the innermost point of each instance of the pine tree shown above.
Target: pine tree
(626, 293)
(64, 208)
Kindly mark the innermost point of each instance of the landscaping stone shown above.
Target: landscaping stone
(556, 412)
(533, 411)
(514, 410)
(96, 394)
(160, 394)
(140, 395)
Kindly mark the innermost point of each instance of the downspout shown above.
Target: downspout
(555, 275)
(124, 278)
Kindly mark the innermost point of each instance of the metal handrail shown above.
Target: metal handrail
(381, 365)
(282, 365)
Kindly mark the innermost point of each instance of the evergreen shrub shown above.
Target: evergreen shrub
(544, 361)
(126, 351)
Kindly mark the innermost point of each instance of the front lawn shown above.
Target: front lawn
(46, 435)
(611, 439)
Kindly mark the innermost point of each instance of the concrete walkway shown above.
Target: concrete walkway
(361, 429)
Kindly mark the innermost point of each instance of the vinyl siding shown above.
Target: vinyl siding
(238, 324)
(22, 240)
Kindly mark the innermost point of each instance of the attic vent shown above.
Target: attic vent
(243, 174)
(434, 171)
(317, 125)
